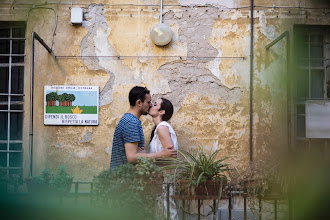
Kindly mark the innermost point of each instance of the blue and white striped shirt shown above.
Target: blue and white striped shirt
(128, 130)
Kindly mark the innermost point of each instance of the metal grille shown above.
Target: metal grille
(312, 79)
(12, 60)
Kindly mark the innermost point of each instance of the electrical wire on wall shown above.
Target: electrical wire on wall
(155, 57)
(180, 5)
(56, 20)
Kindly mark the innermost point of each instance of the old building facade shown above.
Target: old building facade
(223, 99)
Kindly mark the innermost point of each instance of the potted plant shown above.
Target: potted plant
(150, 175)
(61, 181)
(143, 178)
(39, 184)
(132, 188)
(49, 183)
(199, 173)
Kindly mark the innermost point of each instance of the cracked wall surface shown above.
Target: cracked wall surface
(204, 71)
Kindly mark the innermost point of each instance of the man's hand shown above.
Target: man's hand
(141, 150)
(132, 153)
(169, 152)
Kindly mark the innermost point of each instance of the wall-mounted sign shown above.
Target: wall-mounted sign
(71, 105)
(318, 119)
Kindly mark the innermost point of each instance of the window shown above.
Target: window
(312, 78)
(12, 57)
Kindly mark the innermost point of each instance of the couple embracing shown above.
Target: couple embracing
(128, 139)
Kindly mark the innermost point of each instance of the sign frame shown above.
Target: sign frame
(77, 105)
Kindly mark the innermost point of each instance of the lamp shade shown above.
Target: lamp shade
(161, 34)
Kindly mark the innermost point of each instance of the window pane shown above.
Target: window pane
(328, 89)
(16, 120)
(14, 106)
(317, 84)
(301, 126)
(301, 109)
(18, 32)
(4, 32)
(17, 59)
(3, 159)
(301, 36)
(3, 146)
(17, 80)
(316, 38)
(3, 125)
(4, 79)
(17, 99)
(18, 46)
(316, 56)
(16, 103)
(327, 69)
(302, 84)
(302, 50)
(15, 159)
(4, 46)
(3, 102)
(4, 59)
(15, 146)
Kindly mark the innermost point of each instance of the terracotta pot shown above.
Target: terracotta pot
(208, 188)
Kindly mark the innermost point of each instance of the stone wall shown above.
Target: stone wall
(204, 71)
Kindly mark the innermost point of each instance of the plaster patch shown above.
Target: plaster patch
(240, 133)
(58, 145)
(87, 137)
(107, 150)
(230, 39)
(216, 3)
(83, 153)
(105, 38)
(270, 30)
(214, 66)
(231, 14)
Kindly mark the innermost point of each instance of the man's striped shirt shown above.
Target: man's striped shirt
(128, 130)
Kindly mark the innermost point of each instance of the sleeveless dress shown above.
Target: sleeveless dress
(155, 144)
(154, 147)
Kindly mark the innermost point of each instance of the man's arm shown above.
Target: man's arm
(132, 153)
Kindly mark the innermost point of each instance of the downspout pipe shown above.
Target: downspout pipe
(251, 80)
(286, 35)
(34, 36)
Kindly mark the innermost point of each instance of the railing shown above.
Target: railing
(82, 193)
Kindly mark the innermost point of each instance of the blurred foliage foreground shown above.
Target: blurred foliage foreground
(128, 192)
(125, 192)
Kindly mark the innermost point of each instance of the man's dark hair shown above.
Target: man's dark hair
(137, 93)
(168, 107)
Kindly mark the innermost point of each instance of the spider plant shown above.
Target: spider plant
(198, 167)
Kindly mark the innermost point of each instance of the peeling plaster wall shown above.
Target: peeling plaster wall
(210, 95)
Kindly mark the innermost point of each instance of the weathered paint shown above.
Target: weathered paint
(210, 95)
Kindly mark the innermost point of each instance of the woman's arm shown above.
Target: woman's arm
(165, 137)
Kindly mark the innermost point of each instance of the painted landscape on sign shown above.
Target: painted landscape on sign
(71, 102)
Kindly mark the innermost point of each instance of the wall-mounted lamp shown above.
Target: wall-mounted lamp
(161, 34)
